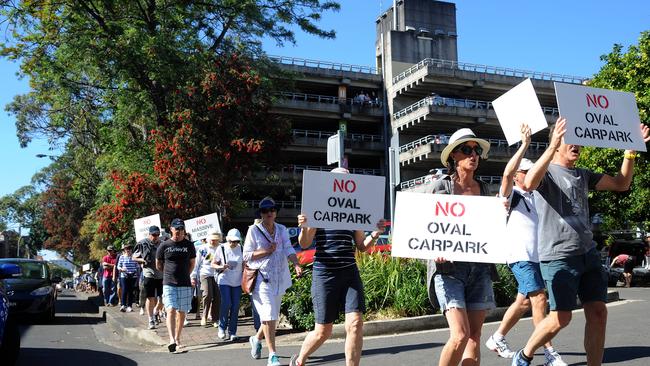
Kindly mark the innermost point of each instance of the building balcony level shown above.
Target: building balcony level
(326, 106)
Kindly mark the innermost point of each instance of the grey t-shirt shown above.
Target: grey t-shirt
(564, 228)
(147, 250)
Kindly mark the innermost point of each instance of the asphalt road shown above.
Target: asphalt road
(79, 337)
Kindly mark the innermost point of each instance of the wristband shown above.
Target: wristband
(630, 156)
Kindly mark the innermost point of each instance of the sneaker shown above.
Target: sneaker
(203, 322)
(553, 358)
(234, 338)
(122, 308)
(157, 319)
(274, 360)
(186, 323)
(500, 346)
(152, 324)
(221, 334)
(141, 311)
(519, 360)
(294, 361)
(256, 347)
(129, 309)
(215, 325)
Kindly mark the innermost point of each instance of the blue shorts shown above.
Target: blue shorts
(469, 287)
(581, 275)
(177, 297)
(529, 277)
(334, 291)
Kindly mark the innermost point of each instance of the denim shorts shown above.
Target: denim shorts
(529, 277)
(334, 291)
(469, 287)
(177, 297)
(582, 275)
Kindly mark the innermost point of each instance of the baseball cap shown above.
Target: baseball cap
(153, 229)
(177, 224)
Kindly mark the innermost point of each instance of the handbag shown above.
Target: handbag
(248, 279)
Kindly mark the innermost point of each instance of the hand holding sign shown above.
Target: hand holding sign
(558, 133)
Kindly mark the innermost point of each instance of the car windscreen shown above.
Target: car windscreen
(32, 270)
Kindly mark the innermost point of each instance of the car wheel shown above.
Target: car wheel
(10, 347)
(49, 315)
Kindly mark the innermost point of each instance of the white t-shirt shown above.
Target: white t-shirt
(521, 230)
(230, 277)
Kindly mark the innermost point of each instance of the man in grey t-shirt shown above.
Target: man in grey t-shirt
(145, 254)
(569, 260)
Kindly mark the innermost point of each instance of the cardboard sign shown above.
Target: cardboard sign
(342, 201)
(599, 117)
(142, 224)
(457, 228)
(519, 105)
(200, 227)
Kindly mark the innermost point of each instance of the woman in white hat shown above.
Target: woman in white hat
(203, 274)
(228, 263)
(464, 289)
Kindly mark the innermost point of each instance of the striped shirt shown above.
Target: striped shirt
(334, 249)
(128, 264)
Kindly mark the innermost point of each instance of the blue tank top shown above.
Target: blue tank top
(334, 249)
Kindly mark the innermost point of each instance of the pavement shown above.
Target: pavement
(133, 327)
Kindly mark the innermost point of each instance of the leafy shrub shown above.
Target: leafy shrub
(505, 290)
(297, 304)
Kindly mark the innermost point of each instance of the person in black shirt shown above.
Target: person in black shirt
(175, 258)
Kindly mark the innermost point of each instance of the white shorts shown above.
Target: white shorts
(266, 304)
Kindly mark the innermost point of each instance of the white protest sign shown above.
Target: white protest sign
(599, 117)
(342, 201)
(457, 228)
(142, 224)
(200, 227)
(519, 105)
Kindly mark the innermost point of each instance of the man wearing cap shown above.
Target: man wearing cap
(145, 254)
(569, 261)
(523, 260)
(175, 258)
(108, 263)
(203, 271)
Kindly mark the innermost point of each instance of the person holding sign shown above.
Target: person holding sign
(569, 261)
(204, 272)
(266, 249)
(523, 260)
(463, 289)
(336, 285)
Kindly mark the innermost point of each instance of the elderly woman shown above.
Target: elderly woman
(203, 274)
(464, 289)
(128, 269)
(267, 248)
(228, 263)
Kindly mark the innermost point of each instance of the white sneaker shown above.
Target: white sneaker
(186, 323)
(233, 338)
(221, 334)
(553, 358)
(256, 347)
(129, 309)
(141, 311)
(499, 346)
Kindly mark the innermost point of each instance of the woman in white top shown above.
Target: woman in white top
(228, 265)
(204, 273)
(267, 248)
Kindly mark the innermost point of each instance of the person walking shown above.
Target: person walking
(626, 262)
(463, 289)
(128, 272)
(203, 271)
(228, 264)
(267, 248)
(145, 255)
(523, 260)
(569, 261)
(175, 258)
(108, 262)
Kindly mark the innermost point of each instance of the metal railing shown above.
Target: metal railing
(355, 137)
(485, 69)
(456, 102)
(281, 204)
(328, 99)
(326, 65)
(443, 140)
(426, 179)
(325, 168)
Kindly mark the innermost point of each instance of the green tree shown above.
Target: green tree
(21, 210)
(626, 71)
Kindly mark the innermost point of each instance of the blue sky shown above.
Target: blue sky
(564, 37)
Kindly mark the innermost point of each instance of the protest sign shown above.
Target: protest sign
(342, 201)
(519, 105)
(142, 224)
(599, 117)
(200, 227)
(457, 228)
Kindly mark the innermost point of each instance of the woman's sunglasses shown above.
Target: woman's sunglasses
(267, 210)
(467, 150)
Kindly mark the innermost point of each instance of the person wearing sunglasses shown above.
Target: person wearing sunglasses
(463, 289)
(145, 254)
(267, 248)
(228, 263)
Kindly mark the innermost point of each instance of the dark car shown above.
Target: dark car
(33, 293)
(9, 335)
(628, 242)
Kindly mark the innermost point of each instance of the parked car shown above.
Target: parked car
(33, 293)
(9, 335)
(630, 243)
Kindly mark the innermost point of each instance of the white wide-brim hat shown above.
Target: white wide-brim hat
(459, 137)
(525, 164)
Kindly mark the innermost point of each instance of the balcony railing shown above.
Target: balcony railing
(443, 140)
(281, 204)
(456, 102)
(324, 168)
(325, 65)
(489, 179)
(355, 137)
(328, 99)
(485, 69)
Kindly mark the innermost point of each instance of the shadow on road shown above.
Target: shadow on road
(315, 360)
(67, 356)
(627, 353)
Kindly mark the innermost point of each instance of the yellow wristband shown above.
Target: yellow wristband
(629, 156)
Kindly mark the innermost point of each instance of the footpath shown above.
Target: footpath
(133, 327)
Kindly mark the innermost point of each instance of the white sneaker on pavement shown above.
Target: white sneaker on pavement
(129, 309)
(552, 358)
(233, 338)
(256, 347)
(500, 346)
(141, 311)
(221, 334)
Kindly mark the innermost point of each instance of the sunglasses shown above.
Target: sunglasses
(154, 234)
(467, 150)
(267, 210)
